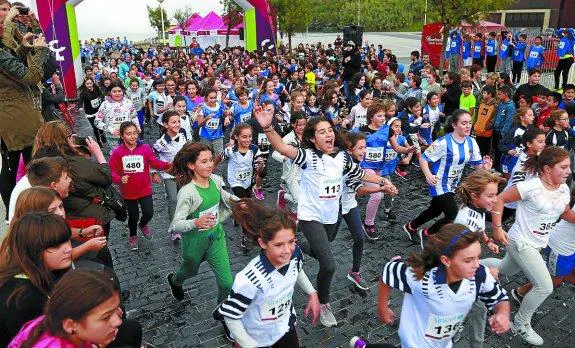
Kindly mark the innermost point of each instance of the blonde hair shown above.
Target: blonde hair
(475, 183)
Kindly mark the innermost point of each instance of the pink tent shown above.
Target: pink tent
(210, 22)
(189, 22)
(233, 31)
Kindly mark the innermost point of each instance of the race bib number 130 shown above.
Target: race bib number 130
(440, 327)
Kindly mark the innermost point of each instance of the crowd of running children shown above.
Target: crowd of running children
(343, 121)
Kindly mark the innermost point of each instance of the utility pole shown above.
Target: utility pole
(162, 17)
(358, 8)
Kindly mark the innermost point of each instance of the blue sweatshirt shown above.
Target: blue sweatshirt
(535, 58)
(565, 46)
(455, 42)
(466, 49)
(519, 49)
(477, 49)
(491, 47)
(504, 51)
(504, 117)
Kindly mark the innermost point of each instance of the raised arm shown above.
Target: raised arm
(264, 119)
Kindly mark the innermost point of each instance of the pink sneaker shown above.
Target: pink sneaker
(176, 236)
(146, 232)
(281, 201)
(133, 243)
(258, 193)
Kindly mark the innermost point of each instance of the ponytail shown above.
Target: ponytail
(550, 156)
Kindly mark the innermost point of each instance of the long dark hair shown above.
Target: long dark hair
(309, 132)
(259, 221)
(449, 240)
(23, 248)
(550, 156)
(74, 296)
(188, 154)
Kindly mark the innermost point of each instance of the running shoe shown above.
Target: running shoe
(527, 333)
(245, 243)
(176, 236)
(370, 231)
(146, 232)
(401, 173)
(390, 216)
(355, 278)
(326, 316)
(133, 243)
(177, 290)
(516, 297)
(410, 231)
(423, 236)
(357, 342)
(281, 201)
(258, 193)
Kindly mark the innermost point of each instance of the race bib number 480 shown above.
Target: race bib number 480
(133, 164)
(440, 327)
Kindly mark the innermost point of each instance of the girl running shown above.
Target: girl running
(267, 93)
(291, 173)
(312, 108)
(166, 148)
(246, 168)
(356, 147)
(202, 207)
(448, 156)
(213, 118)
(541, 202)
(358, 115)
(91, 98)
(512, 140)
(261, 313)
(324, 169)
(243, 108)
(185, 118)
(130, 165)
(441, 285)
(115, 110)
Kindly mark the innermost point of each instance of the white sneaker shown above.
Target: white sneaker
(527, 333)
(326, 315)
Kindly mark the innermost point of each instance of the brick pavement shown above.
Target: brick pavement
(167, 323)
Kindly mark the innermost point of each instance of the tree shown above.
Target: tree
(293, 16)
(155, 18)
(232, 16)
(453, 12)
(181, 17)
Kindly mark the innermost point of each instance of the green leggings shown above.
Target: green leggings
(210, 246)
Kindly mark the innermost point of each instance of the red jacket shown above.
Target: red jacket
(543, 115)
(136, 164)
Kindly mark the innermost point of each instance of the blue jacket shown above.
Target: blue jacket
(565, 46)
(504, 117)
(455, 36)
(491, 47)
(466, 49)
(535, 58)
(416, 67)
(519, 49)
(504, 50)
(477, 49)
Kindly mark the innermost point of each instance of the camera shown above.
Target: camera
(24, 10)
(81, 141)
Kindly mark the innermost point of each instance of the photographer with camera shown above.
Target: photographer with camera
(21, 69)
(351, 66)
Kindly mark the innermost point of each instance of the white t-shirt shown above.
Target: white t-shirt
(241, 165)
(432, 313)
(473, 218)
(518, 174)
(562, 238)
(359, 115)
(21, 185)
(537, 212)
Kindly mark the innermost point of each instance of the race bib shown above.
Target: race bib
(246, 116)
(360, 120)
(477, 49)
(213, 123)
(545, 225)
(374, 154)
(133, 164)
(329, 188)
(453, 44)
(135, 99)
(275, 308)
(244, 175)
(533, 54)
(95, 103)
(454, 174)
(440, 327)
(503, 48)
(390, 155)
(489, 49)
(561, 45)
(263, 140)
(214, 211)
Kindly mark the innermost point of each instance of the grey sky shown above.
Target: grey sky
(103, 18)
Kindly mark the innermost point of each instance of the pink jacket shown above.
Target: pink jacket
(136, 164)
(46, 340)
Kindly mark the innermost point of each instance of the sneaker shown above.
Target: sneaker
(370, 232)
(146, 232)
(401, 173)
(423, 236)
(516, 297)
(326, 315)
(245, 242)
(176, 236)
(258, 193)
(177, 290)
(281, 201)
(527, 333)
(133, 242)
(355, 277)
(357, 342)
(410, 231)
(390, 216)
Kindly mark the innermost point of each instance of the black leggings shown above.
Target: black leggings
(491, 61)
(147, 205)
(10, 162)
(445, 204)
(516, 71)
(353, 221)
(318, 237)
(289, 340)
(562, 69)
(98, 133)
(479, 61)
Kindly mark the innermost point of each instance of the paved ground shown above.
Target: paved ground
(170, 324)
(188, 324)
